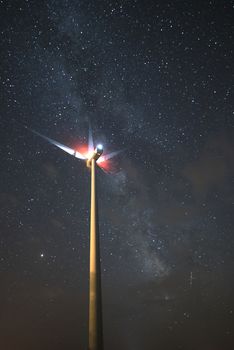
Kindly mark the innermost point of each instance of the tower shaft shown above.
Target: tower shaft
(95, 298)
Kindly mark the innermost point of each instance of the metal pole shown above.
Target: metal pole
(95, 299)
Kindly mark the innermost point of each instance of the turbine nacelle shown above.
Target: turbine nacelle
(95, 155)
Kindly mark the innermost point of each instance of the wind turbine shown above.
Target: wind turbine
(94, 157)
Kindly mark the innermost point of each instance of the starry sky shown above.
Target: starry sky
(154, 78)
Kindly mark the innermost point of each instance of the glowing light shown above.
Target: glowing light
(108, 166)
(87, 152)
(108, 156)
(105, 166)
(101, 160)
(84, 150)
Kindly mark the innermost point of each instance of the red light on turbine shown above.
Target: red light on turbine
(83, 149)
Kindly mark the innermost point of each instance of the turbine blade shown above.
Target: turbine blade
(60, 145)
(79, 155)
(108, 156)
(108, 170)
(91, 146)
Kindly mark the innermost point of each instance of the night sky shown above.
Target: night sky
(154, 78)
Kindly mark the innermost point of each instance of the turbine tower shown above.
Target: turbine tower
(95, 297)
(93, 159)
